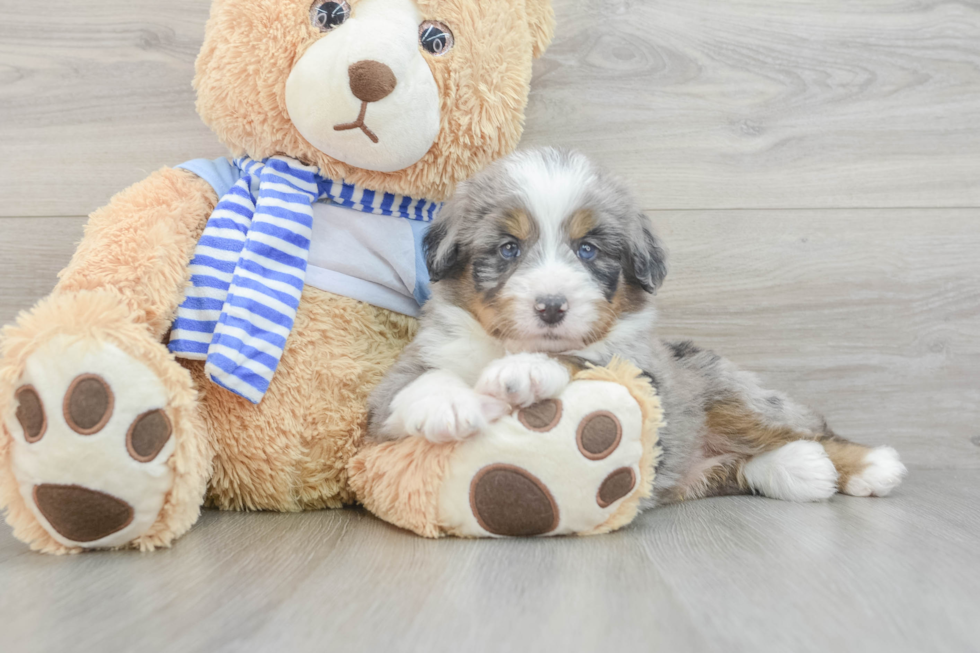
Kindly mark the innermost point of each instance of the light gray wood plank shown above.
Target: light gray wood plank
(769, 103)
(898, 574)
(32, 253)
(93, 97)
(870, 316)
(703, 104)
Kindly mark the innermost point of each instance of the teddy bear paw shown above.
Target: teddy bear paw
(563, 465)
(91, 442)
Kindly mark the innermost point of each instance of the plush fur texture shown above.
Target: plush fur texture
(128, 274)
(138, 246)
(483, 84)
(544, 253)
(399, 482)
(290, 452)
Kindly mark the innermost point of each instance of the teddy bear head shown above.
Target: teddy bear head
(402, 96)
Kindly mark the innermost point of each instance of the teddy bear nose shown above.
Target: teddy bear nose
(371, 81)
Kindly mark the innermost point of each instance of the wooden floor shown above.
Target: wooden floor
(814, 166)
(732, 574)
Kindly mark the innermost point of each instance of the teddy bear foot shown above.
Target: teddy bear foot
(578, 463)
(105, 446)
(92, 440)
(560, 466)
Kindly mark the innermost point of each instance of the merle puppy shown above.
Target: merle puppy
(543, 263)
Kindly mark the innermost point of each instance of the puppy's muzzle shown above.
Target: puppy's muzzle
(551, 309)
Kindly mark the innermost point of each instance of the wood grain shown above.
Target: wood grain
(735, 574)
(870, 316)
(702, 104)
(770, 103)
(93, 97)
(32, 253)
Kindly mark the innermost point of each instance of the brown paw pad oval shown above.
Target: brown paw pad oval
(542, 416)
(30, 413)
(507, 500)
(81, 514)
(599, 434)
(616, 486)
(148, 435)
(88, 404)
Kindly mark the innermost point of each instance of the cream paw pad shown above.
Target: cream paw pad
(575, 464)
(560, 466)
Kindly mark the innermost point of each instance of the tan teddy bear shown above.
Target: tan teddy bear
(109, 440)
(216, 335)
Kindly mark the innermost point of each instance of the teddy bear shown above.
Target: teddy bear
(214, 338)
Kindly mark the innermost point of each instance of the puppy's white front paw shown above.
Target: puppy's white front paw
(523, 379)
(883, 472)
(440, 407)
(797, 471)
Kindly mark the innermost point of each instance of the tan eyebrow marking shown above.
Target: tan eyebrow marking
(518, 224)
(580, 224)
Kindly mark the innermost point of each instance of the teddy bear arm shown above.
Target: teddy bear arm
(90, 359)
(139, 246)
(541, 20)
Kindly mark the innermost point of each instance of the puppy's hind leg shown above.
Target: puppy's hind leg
(864, 471)
(861, 471)
(799, 470)
(775, 452)
(794, 456)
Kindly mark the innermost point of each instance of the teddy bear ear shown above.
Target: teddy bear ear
(541, 20)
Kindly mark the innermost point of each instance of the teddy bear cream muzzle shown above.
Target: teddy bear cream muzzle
(363, 93)
(370, 81)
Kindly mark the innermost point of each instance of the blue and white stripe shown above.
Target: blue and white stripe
(369, 201)
(249, 268)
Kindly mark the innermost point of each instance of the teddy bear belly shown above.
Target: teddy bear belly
(290, 452)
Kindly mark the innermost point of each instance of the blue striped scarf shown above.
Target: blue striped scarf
(249, 268)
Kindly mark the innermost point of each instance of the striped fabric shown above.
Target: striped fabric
(249, 268)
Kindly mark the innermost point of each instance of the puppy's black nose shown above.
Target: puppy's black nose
(551, 308)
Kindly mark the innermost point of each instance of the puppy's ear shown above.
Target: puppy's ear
(541, 20)
(441, 254)
(646, 258)
(443, 249)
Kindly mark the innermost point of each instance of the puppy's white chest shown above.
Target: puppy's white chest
(461, 346)
(467, 359)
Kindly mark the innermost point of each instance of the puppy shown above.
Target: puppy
(543, 264)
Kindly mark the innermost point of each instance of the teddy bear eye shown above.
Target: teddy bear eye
(327, 15)
(435, 38)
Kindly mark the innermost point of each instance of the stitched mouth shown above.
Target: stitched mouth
(358, 124)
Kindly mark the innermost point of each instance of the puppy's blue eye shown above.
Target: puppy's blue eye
(587, 252)
(510, 250)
